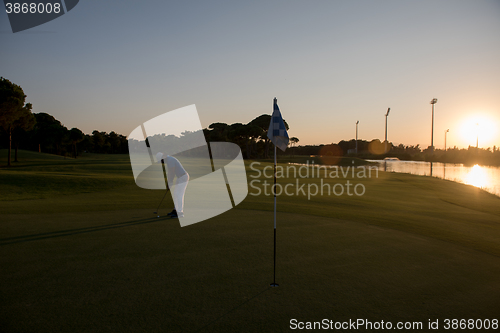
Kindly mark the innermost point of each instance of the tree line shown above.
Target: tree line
(251, 137)
(22, 129)
(376, 149)
(49, 135)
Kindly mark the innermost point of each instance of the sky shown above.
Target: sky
(112, 65)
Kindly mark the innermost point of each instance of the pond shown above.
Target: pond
(484, 177)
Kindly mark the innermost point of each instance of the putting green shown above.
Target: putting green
(93, 257)
(123, 271)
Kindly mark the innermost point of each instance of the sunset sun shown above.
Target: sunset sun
(479, 130)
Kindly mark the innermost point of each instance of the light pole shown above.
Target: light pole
(357, 137)
(445, 138)
(386, 115)
(434, 101)
(477, 137)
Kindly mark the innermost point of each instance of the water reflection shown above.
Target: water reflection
(477, 176)
(487, 178)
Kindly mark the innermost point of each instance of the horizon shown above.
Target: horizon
(110, 67)
(317, 144)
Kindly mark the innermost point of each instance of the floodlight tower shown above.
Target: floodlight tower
(445, 138)
(477, 137)
(434, 101)
(386, 115)
(357, 136)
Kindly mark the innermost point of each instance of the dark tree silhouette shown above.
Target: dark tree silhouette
(293, 141)
(262, 123)
(50, 134)
(75, 136)
(218, 131)
(99, 140)
(12, 110)
(24, 123)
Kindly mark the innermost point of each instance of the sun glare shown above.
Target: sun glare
(477, 177)
(479, 130)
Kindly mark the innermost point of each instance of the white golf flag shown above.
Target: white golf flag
(277, 130)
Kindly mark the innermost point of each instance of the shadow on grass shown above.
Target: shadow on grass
(228, 312)
(70, 232)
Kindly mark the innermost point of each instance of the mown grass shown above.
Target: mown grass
(322, 160)
(44, 176)
(81, 251)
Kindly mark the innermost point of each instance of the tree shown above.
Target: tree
(50, 133)
(293, 141)
(123, 144)
(218, 131)
(252, 132)
(99, 140)
(12, 109)
(75, 136)
(239, 134)
(262, 123)
(24, 123)
(87, 143)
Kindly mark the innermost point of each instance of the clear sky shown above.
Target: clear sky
(111, 65)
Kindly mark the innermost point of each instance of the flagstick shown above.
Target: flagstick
(274, 284)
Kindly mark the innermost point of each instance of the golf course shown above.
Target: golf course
(82, 251)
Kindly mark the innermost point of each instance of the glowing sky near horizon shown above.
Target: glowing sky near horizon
(111, 66)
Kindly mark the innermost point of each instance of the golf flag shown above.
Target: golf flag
(279, 137)
(277, 130)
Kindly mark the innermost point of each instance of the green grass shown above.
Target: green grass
(81, 251)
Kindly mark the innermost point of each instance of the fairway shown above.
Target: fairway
(81, 251)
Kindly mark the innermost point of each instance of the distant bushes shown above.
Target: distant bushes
(50, 136)
(377, 150)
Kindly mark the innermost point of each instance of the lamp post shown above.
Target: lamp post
(357, 137)
(445, 138)
(477, 137)
(434, 101)
(386, 115)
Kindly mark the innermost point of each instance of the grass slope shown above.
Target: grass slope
(81, 251)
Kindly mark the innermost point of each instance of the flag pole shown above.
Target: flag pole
(274, 284)
(279, 137)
